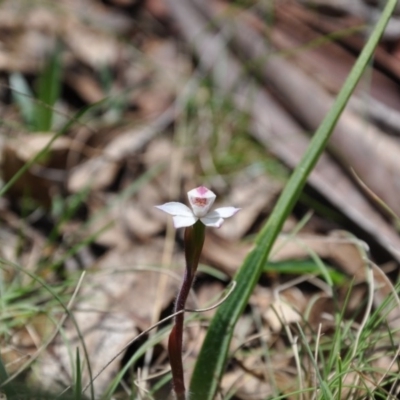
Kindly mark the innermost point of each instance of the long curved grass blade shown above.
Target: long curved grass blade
(212, 359)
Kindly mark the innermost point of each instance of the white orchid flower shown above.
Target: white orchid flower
(201, 199)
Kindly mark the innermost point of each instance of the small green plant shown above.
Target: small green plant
(194, 220)
(37, 107)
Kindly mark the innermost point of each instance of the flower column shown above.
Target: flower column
(194, 220)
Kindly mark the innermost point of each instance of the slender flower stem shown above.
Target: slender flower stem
(194, 240)
(194, 219)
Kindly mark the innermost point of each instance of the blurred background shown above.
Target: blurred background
(111, 107)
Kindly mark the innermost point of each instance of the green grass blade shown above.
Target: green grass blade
(8, 389)
(78, 377)
(322, 383)
(212, 358)
(49, 86)
(23, 97)
(302, 267)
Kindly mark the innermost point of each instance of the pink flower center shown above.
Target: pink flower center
(201, 190)
(198, 201)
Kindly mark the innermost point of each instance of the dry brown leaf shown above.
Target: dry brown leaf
(171, 71)
(287, 308)
(366, 9)
(245, 386)
(25, 49)
(114, 303)
(243, 329)
(99, 172)
(27, 146)
(228, 256)
(254, 195)
(261, 298)
(157, 8)
(91, 46)
(249, 382)
(30, 33)
(327, 62)
(105, 214)
(99, 16)
(206, 294)
(39, 180)
(86, 86)
(158, 150)
(139, 221)
(328, 26)
(142, 206)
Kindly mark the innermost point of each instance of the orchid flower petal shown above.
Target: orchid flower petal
(175, 208)
(215, 222)
(201, 199)
(223, 212)
(181, 221)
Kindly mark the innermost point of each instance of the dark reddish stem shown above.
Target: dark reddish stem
(194, 240)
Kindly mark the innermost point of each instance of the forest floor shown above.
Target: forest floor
(111, 107)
